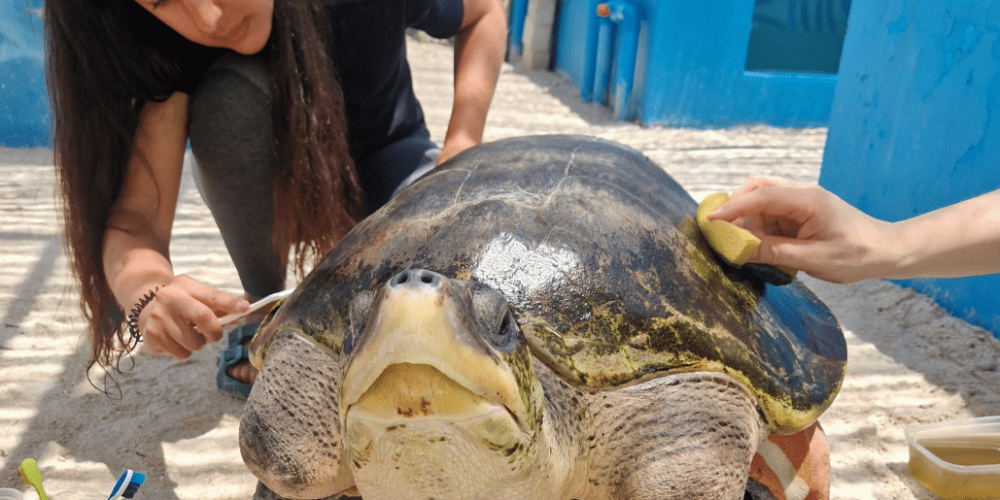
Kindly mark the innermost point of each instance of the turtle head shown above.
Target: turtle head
(428, 387)
(438, 385)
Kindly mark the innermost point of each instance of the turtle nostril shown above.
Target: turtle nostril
(399, 279)
(414, 277)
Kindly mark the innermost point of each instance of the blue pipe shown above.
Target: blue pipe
(518, 14)
(589, 55)
(602, 62)
(615, 52)
(627, 18)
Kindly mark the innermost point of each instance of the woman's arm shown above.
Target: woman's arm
(137, 240)
(479, 50)
(958, 240)
(808, 228)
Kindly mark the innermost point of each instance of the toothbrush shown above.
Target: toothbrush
(127, 485)
(274, 297)
(32, 477)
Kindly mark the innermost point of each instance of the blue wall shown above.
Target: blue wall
(915, 123)
(691, 70)
(697, 54)
(24, 111)
(577, 37)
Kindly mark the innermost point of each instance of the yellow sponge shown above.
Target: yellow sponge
(734, 244)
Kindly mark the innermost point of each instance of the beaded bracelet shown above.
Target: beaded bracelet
(133, 317)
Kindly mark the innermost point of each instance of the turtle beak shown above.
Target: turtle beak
(261, 342)
(418, 321)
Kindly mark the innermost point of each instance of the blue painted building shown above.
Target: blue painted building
(708, 63)
(915, 123)
(24, 111)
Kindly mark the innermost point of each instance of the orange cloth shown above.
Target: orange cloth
(795, 467)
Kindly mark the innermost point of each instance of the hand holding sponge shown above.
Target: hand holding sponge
(734, 245)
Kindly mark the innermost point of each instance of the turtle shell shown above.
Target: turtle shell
(597, 250)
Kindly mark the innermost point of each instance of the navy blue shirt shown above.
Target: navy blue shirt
(368, 47)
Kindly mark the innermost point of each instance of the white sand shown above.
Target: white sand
(910, 362)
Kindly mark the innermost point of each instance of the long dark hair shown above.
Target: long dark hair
(106, 59)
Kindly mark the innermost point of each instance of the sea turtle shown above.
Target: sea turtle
(537, 318)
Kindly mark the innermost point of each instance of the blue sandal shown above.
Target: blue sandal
(234, 354)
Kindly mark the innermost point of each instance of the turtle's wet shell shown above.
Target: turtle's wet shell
(597, 250)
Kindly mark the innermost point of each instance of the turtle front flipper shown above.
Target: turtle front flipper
(264, 493)
(684, 436)
(290, 433)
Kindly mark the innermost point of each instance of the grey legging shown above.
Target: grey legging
(230, 134)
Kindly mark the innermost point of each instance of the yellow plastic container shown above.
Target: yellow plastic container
(957, 460)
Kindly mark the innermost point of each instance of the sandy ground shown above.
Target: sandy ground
(910, 362)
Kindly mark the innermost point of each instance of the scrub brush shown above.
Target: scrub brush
(734, 245)
(32, 476)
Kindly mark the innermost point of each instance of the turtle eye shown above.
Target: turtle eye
(504, 337)
(494, 318)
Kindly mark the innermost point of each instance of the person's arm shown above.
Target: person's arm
(808, 228)
(958, 240)
(479, 50)
(137, 240)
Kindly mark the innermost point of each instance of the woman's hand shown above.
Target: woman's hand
(184, 316)
(454, 146)
(137, 240)
(479, 51)
(811, 229)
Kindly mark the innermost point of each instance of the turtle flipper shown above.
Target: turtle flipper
(685, 436)
(290, 441)
(264, 493)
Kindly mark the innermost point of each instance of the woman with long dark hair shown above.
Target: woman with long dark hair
(301, 118)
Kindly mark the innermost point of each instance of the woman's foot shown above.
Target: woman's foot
(243, 371)
(233, 376)
(236, 375)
